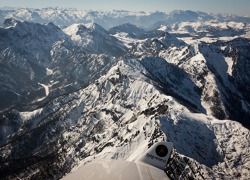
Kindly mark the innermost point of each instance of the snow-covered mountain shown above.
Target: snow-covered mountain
(73, 94)
(109, 19)
(94, 39)
(118, 117)
(69, 16)
(45, 56)
(212, 67)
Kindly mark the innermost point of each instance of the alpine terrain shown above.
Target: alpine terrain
(82, 85)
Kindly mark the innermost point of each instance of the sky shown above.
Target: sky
(238, 7)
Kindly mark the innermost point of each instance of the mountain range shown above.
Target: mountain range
(108, 19)
(83, 85)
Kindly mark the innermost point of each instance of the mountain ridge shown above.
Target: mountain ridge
(109, 19)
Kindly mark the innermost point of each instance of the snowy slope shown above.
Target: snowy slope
(33, 54)
(128, 28)
(121, 115)
(25, 55)
(209, 66)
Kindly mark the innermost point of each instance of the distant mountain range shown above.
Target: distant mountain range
(72, 91)
(109, 19)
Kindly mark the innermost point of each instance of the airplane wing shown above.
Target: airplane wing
(150, 166)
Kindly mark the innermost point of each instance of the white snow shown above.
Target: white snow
(49, 71)
(46, 88)
(230, 63)
(163, 28)
(126, 39)
(72, 31)
(29, 115)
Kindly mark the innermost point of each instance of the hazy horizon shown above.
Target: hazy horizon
(212, 6)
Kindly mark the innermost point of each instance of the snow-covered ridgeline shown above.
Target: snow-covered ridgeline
(135, 115)
(108, 19)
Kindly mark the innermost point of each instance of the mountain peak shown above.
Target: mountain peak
(96, 27)
(11, 22)
(78, 29)
(94, 38)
